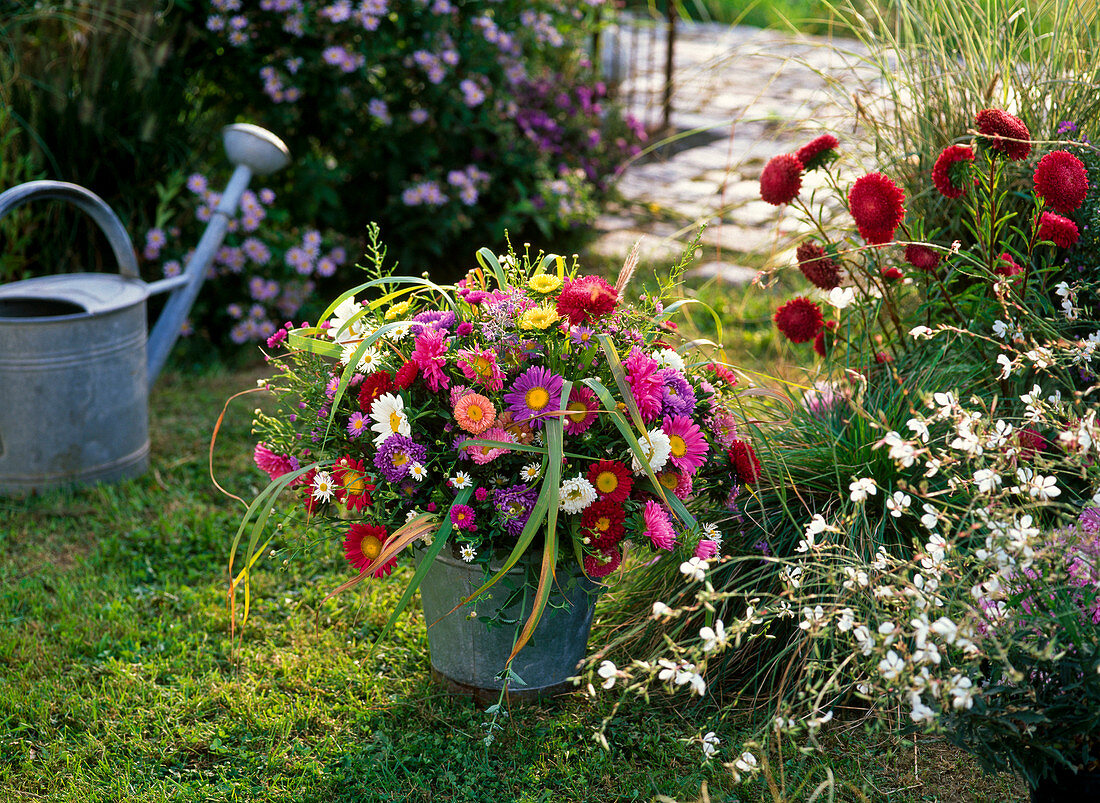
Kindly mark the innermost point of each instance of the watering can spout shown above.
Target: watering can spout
(254, 151)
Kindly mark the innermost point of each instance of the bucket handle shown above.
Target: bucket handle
(89, 203)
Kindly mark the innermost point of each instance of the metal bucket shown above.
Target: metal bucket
(73, 397)
(76, 365)
(467, 654)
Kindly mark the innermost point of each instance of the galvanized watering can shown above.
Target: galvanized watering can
(76, 364)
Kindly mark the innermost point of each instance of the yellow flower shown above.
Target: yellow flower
(544, 283)
(397, 311)
(538, 318)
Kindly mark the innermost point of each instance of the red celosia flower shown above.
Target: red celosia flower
(745, 462)
(817, 151)
(922, 257)
(1061, 181)
(817, 266)
(876, 204)
(602, 563)
(892, 273)
(585, 299)
(363, 544)
(951, 168)
(1004, 133)
(405, 375)
(602, 524)
(611, 479)
(1057, 229)
(781, 179)
(374, 385)
(1007, 266)
(799, 319)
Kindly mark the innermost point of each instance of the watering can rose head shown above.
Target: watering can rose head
(527, 409)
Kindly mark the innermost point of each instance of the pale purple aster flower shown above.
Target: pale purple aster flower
(396, 455)
(326, 267)
(357, 425)
(256, 250)
(340, 11)
(378, 109)
(472, 94)
(196, 183)
(419, 116)
(1089, 522)
(215, 24)
(172, 268)
(299, 259)
(514, 506)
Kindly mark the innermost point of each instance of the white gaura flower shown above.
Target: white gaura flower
(898, 503)
(656, 447)
(388, 414)
(891, 666)
(710, 744)
(687, 676)
(695, 569)
(987, 480)
(1043, 488)
(962, 695)
(842, 297)
(575, 495)
(746, 763)
(1005, 362)
(667, 671)
(811, 618)
(714, 637)
(846, 621)
(1000, 329)
(862, 488)
(609, 672)
(864, 638)
(931, 516)
(920, 333)
(660, 609)
(667, 358)
(918, 428)
(920, 713)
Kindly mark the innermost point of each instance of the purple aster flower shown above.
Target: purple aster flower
(582, 336)
(535, 393)
(514, 506)
(432, 319)
(396, 455)
(679, 397)
(357, 425)
(1089, 522)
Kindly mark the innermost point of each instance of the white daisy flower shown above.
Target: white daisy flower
(323, 486)
(461, 480)
(388, 414)
(576, 494)
(418, 472)
(341, 329)
(467, 552)
(656, 446)
(530, 472)
(398, 332)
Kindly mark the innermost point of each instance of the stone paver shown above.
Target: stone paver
(756, 94)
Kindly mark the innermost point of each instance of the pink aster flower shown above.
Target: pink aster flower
(357, 425)
(706, 549)
(534, 394)
(657, 526)
(480, 365)
(645, 384)
(275, 465)
(484, 454)
(431, 346)
(688, 445)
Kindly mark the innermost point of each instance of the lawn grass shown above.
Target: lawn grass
(121, 679)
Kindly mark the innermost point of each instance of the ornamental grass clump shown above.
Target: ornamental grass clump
(529, 409)
(921, 549)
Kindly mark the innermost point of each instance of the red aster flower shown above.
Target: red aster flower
(950, 172)
(352, 482)
(745, 462)
(892, 273)
(586, 298)
(1057, 229)
(1004, 133)
(824, 340)
(799, 319)
(817, 151)
(781, 179)
(723, 373)
(1007, 266)
(374, 385)
(405, 375)
(602, 564)
(602, 523)
(876, 204)
(363, 544)
(817, 266)
(922, 257)
(611, 479)
(1061, 181)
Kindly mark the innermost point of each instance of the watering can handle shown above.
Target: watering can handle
(85, 200)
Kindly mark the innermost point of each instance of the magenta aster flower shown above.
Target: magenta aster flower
(357, 425)
(645, 383)
(688, 445)
(275, 465)
(581, 410)
(480, 365)
(429, 356)
(657, 526)
(535, 393)
(462, 517)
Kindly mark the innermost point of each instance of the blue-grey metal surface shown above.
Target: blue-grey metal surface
(470, 653)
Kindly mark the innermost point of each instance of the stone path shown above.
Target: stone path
(748, 95)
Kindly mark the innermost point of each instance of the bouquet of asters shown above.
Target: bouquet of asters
(526, 410)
